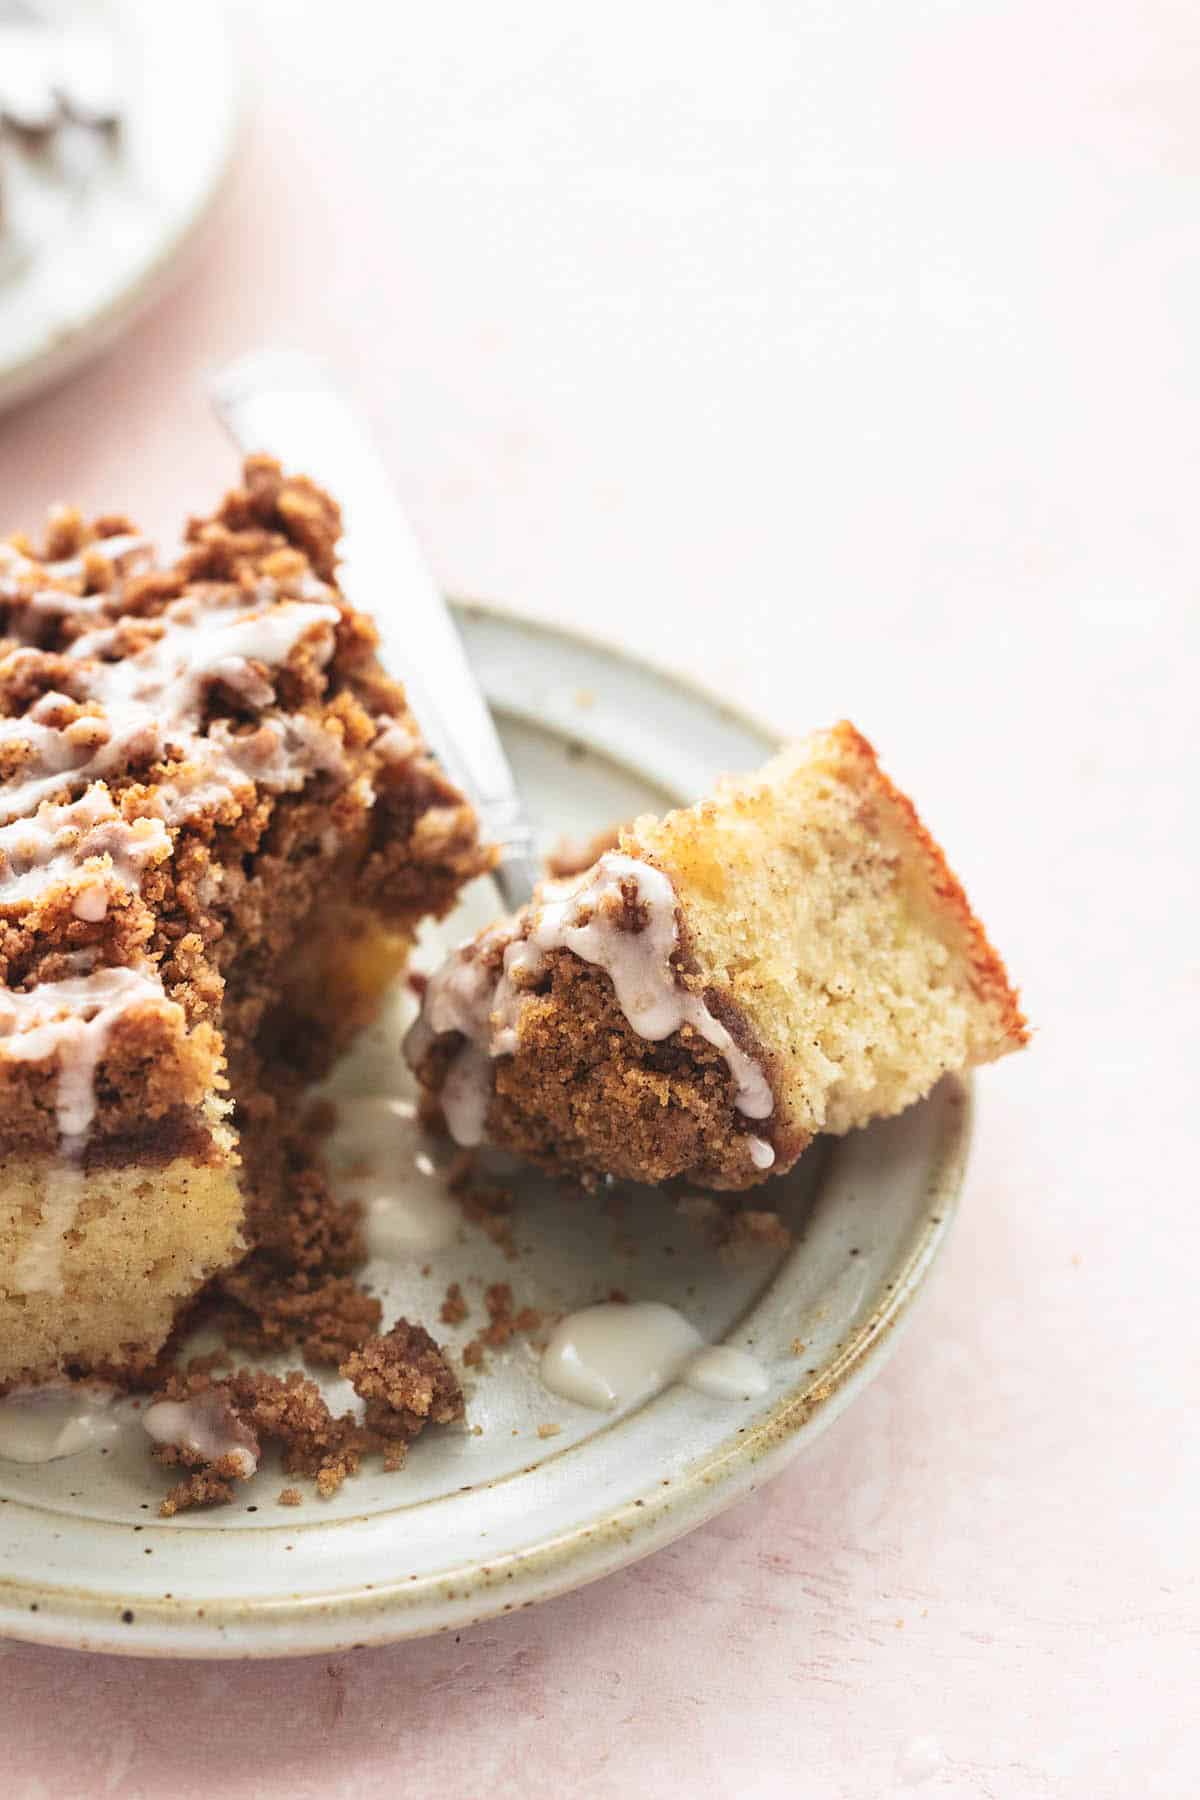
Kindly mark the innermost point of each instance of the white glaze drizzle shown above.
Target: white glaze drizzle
(125, 550)
(151, 701)
(762, 1154)
(206, 1425)
(589, 918)
(22, 580)
(615, 1354)
(72, 1018)
(87, 844)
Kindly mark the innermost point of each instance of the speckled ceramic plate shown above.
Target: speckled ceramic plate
(539, 1494)
(91, 231)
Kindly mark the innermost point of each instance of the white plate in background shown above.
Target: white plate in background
(480, 1523)
(82, 253)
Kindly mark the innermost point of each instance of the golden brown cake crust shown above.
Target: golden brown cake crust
(991, 977)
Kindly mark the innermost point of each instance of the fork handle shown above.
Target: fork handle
(284, 403)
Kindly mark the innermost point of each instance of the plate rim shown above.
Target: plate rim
(476, 1589)
(595, 641)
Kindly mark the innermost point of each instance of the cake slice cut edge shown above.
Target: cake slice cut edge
(789, 956)
(220, 829)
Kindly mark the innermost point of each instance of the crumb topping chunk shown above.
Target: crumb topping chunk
(621, 918)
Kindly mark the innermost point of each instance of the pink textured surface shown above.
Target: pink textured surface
(867, 333)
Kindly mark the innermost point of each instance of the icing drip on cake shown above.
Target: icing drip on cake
(125, 551)
(87, 845)
(620, 918)
(69, 1020)
(149, 702)
(461, 997)
(23, 581)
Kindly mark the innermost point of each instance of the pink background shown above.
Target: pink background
(846, 356)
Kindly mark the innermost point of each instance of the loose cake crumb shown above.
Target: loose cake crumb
(504, 1323)
(486, 1204)
(402, 1376)
(454, 1307)
(750, 1229)
(204, 1487)
(727, 1225)
(548, 1430)
(291, 1496)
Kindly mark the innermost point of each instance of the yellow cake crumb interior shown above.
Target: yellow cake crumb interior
(143, 1241)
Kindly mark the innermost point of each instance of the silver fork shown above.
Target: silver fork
(286, 404)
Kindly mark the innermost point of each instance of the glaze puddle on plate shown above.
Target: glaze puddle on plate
(50, 1424)
(620, 1352)
(502, 1514)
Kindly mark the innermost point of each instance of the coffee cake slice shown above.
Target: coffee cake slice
(219, 830)
(788, 957)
